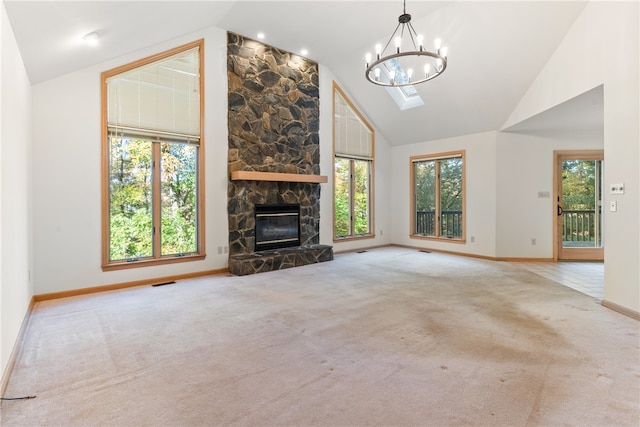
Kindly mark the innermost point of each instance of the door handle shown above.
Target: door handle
(560, 211)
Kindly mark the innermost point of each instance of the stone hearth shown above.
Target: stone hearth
(273, 119)
(278, 259)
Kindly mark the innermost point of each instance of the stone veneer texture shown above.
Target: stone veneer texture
(273, 120)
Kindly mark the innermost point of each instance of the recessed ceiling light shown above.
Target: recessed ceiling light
(90, 38)
(260, 36)
(304, 52)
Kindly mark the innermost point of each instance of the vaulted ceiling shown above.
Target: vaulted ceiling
(496, 48)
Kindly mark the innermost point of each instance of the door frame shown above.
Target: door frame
(578, 254)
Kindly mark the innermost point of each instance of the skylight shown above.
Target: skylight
(406, 96)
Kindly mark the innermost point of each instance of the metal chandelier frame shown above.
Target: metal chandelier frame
(434, 62)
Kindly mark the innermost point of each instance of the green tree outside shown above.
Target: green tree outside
(131, 198)
(342, 198)
(450, 187)
(345, 210)
(131, 228)
(579, 184)
(179, 198)
(361, 197)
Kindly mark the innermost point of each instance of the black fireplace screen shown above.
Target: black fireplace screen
(277, 226)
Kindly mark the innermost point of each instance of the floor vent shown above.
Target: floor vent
(361, 252)
(165, 283)
(426, 252)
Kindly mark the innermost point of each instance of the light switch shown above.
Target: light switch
(613, 206)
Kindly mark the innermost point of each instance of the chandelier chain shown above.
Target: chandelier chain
(391, 38)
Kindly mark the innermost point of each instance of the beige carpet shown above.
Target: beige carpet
(387, 337)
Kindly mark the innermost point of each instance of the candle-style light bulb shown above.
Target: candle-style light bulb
(426, 71)
(377, 73)
(443, 52)
(367, 58)
(409, 73)
(392, 77)
(398, 42)
(420, 39)
(438, 44)
(378, 50)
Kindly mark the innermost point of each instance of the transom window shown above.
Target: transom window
(152, 160)
(353, 140)
(438, 207)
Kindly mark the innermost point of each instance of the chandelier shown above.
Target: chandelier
(408, 63)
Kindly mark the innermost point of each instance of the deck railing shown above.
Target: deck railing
(579, 225)
(451, 223)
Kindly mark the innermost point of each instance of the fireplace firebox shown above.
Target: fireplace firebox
(277, 226)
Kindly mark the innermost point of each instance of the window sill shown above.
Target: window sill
(459, 240)
(121, 265)
(352, 238)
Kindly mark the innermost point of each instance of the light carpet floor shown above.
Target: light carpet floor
(389, 337)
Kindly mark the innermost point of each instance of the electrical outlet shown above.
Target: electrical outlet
(472, 239)
(226, 249)
(219, 250)
(533, 241)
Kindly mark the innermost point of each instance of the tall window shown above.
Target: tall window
(438, 196)
(152, 160)
(353, 141)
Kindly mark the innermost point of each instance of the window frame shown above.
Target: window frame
(337, 90)
(412, 191)
(156, 258)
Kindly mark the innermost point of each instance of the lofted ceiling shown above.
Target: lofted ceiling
(496, 48)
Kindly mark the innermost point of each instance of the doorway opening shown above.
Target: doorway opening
(578, 183)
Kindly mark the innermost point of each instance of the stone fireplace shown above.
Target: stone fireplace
(274, 153)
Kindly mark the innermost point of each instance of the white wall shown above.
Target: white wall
(382, 184)
(602, 48)
(480, 188)
(66, 179)
(3, 345)
(15, 190)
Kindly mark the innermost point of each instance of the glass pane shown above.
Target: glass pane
(179, 198)
(582, 204)
(130, 200)
(342, 197)
(425, 194)
(451, 198)
(401, 77)
(361, 197)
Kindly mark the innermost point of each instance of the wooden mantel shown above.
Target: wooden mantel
(275, 176)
